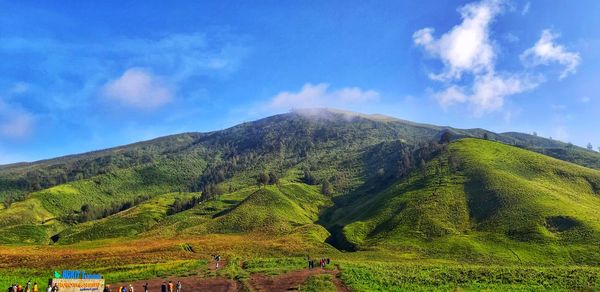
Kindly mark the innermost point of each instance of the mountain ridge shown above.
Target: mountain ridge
(270, 134)
(311, 112)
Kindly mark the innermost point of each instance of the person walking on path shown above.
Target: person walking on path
(146, 287)
(131, 288)
(35, 287)
(170, 286)
(106, 288)
(28, 286)
(163, 287)
(178, 286)
(217, 260)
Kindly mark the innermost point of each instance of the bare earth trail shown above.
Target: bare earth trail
(194, 283)
(187, 283)
(258, 282)
(292, 280)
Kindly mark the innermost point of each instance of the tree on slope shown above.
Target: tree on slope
(326, 188)
(262, 179)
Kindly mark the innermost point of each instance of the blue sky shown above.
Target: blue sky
(83, 75)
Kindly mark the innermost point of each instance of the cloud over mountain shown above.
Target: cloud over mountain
(138, 88)
(469, 57)
(546, 51)
(320, 95)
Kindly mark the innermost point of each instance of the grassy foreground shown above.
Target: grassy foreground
(362, 271)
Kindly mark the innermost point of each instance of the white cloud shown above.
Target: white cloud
(546, 51)
(453, 94)
(489, 90)
(486, 93)
(14, 121)
(138, 88)
(468, 49)
(525, 9)
(586, 99)
(180, 58)
(319, 95)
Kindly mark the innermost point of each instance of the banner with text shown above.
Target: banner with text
(79, 285)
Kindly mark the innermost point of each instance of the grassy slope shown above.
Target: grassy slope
(123, 224)
(502, 203)
(285, 209)
(282, 209)
(34, 220)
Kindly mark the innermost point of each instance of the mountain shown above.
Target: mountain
(18, 179)
(355, 181)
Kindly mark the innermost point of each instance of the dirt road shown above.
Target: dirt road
(258, 282)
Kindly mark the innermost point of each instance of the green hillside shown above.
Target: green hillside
(357, 182)
(479, 201)
(128, 223)
(46, 212)
(274, 210)
(286, 139)
(270, 211)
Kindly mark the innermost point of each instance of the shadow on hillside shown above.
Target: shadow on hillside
(338, 240)
(327, 218)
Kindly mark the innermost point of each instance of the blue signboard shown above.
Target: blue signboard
(76, 274)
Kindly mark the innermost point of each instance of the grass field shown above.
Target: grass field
(363, 271)
(377, 276)
(480, 215)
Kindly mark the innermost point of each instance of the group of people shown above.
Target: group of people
(169, 287)
(28, 288)
(322, 263)
(33, 287)
(165, 287)
(124, 288)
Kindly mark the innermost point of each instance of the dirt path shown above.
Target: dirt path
(212, 266)
(188, 284)
(292, 280)
(258, 282)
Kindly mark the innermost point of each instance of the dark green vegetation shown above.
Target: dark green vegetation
(321, 181)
